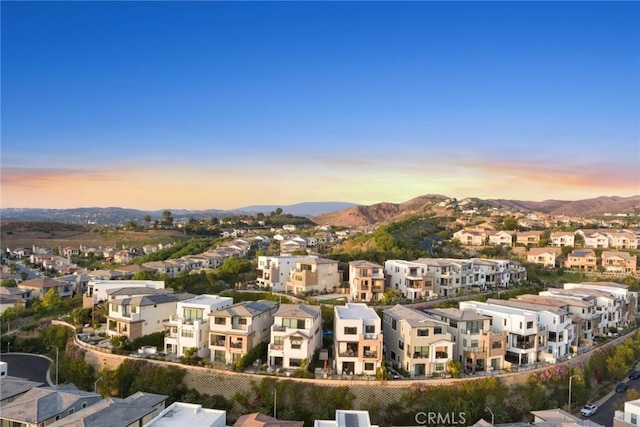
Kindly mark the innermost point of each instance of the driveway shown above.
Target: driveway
(29, 366)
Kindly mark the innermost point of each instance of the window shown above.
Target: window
(293, 323)
(187, 333)
(296, 345)
(439, 367)
(192, 313)
(348, 330)
(278, 340)
(529, 325)
(437, 330)
(370, 329)
(84, 404)
(368, 366)
(401, 344)
(295, 362)
(70, 411)
(242, 321)
(423, 332)
(634, 419)
(421, 351)
(393, 324)
(115, 308)
(393, 355)
(220, 321)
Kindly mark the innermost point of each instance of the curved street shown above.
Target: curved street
(30, 366)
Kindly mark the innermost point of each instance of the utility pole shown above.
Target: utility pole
(570, 378)
(57, 360)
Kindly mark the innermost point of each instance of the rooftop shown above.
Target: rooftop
(188, 414)
(352, 311)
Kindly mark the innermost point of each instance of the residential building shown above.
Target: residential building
(582, 259)
(313, 274)
(622, 240)
(296, 334)
(410, 278)
(42, 406)
(525, 338)
(347, 418)
(10, 298)
(366, 281)
(619, 262)
(236, 330)
(498, 273)
(416, 342)
(357, 340)
(501, 238)
(543, 256)
(471, 237)
(189, 414)
(274, 271)
(141, 315)
(615, 302)
(97, 289)
(594, 239)
(187, 331)
(37, 288)
(477, 345)
(562, 238)
(257, 419)
(630, 417)
(450, 276)
(528, 238)
(133, 411)
(13, 387)
(560, 332)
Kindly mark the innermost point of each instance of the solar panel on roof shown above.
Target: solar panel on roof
(351, 420)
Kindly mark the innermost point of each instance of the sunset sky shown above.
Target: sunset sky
(220, 105)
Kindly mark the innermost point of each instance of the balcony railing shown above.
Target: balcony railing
(348, 354)
(475, 349)
(277, 347)
(235, 345)
(420, 355)
(524, 345)
(279, 328)
(218, 343)
(370, 336)
(442, 355)
(371, 354)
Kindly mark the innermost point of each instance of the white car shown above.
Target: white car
(588, 410)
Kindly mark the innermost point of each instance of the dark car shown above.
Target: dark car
(621, 387)
(634, 375)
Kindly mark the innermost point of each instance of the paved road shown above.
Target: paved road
(29, 366)
(606, 411)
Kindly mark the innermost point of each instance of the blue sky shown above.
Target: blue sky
(201, 105)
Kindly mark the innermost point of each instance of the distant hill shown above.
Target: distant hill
(380, 213)
(300, 209)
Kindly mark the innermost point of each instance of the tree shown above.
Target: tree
(51, 299)
(167, 218)
(9, 283)
(278, 211)
(147, 220)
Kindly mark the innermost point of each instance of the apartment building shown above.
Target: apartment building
(416, 342)
(98, 290)
(410, 279)
(630, 417)
(582, 312)
(619, 262)
(187, 330)
(618, 305)
(450, 277)
(498, 273)
(366, 281)
(543, 256)
(274, 271)
(141, 315)
(560, 332)
(525, 337)
(296, 334)
(477, 345)
(313, 274)
(582, 259)
(236, 330)
(357, 339)
(562, 238)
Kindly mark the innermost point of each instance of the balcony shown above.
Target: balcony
(371, 354)
(348, 353)
(276, 347)
(369, 336)
(235, 345)
(524, 345)
(442, 355)
(278, 328)
(475, 349)
(218, 343)
(240, 327)
(420, 355)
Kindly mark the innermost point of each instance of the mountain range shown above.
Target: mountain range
(334, 213)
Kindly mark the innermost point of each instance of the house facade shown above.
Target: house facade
(562, 238)
(583, 259)
(274, 271)
(313, 274)
(296, 334)
(543, 256)
(619, 262)
(366, 281)
(187, 330)
(416, 342)
(528, 238)
(410, 279)
(236, 330)
(500, 238)
(357, 340)
(471, 237)
(37, 288)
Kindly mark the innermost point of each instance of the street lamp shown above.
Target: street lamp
(491, 412)
(95, 385)
(57, 365)
(570, 378)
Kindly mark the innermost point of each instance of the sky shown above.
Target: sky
(221, 105)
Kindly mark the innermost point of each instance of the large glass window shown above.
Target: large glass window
(348, 330)
(192, 313)
(293, 323)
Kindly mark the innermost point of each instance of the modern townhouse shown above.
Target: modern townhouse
(357, 340)
(630, 416)
(618, 305)
(499, 273)
(478, 346)
(410, 278)
(582, 259)
(366, 281)
(451, 276)
(471, 237)
(347, 418)
(42, 406)
(97, 289)
(619, 262)
(528, 238)
(289, 246)
(213, 259)
(582, 312)
(416, 342)
(313, 274)
(189, 414)
(273, 271)
(37, 288)
(187, 330)
(141, 315)
(562, 238)
(555, 320)
(543, 256)
(162, 267)
(622, 240)
(594, 239)
(124, 257)
(525, 337)
(236, 330)
(501, 238)
(296, 334)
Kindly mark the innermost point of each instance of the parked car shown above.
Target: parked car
(634, 374)
(588, 410)
(622, 387)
